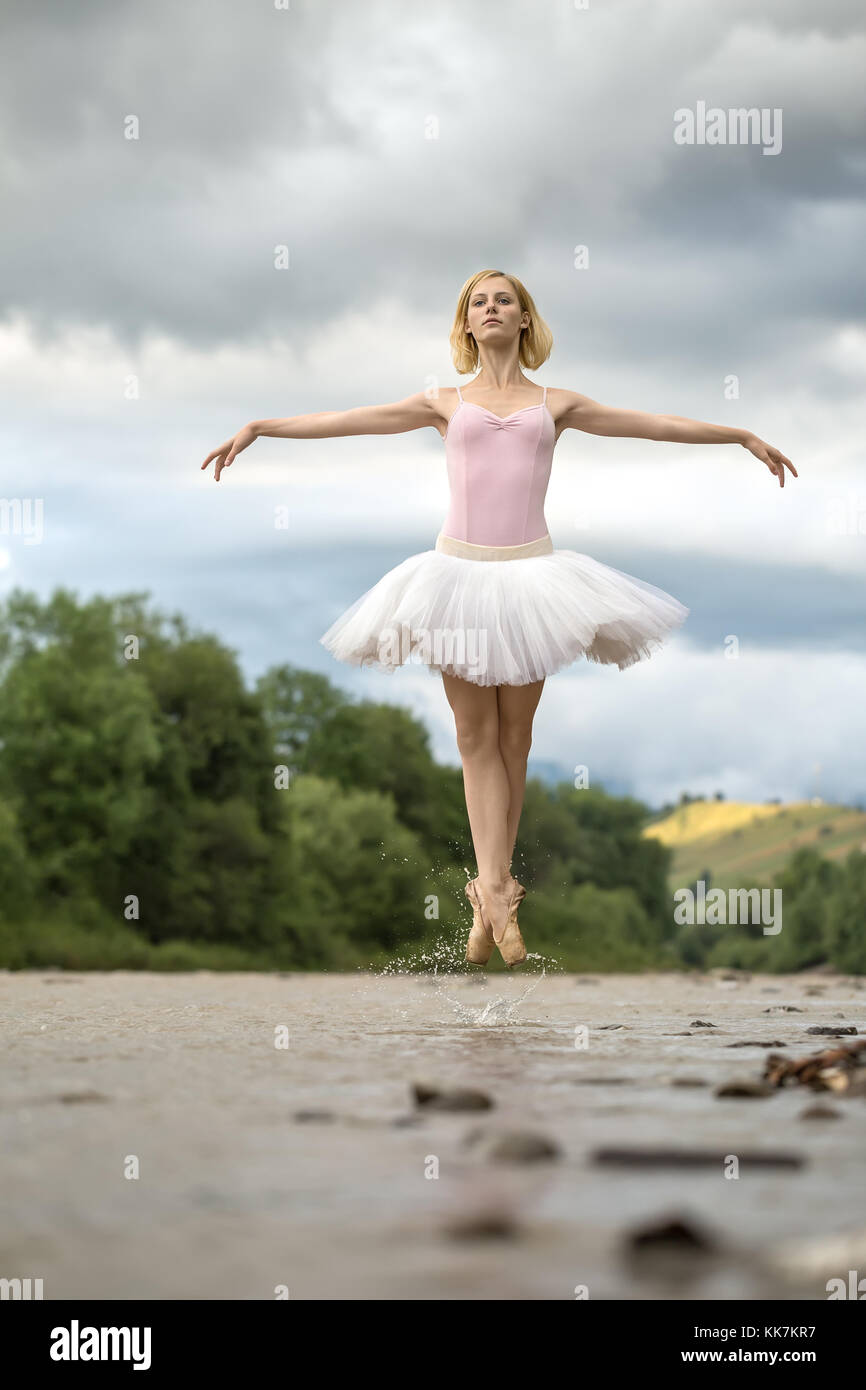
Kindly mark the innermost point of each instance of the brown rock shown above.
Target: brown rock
(831, 1030)
(821, 1112)
(692, 1158)
(460, 1098)
(674, 1233)
(743, 1088)
(514, 1146)
(482, 1225)
(602, 1080)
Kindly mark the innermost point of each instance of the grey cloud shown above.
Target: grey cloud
(306, 127)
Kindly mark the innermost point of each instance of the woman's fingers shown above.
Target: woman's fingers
(223, 459)
(217, 454)
(775, 461)
(226, 454)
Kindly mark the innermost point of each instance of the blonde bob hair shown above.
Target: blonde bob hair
(536, 341)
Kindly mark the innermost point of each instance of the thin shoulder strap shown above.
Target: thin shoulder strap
(459, 397)
(544, 397)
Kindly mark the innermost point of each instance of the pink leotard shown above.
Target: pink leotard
(498, 471)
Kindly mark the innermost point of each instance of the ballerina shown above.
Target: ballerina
(492, 629)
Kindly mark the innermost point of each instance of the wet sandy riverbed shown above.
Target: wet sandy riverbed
(235, 1195)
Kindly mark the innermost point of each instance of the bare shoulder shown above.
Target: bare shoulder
(444, 404)
(424, 408)
(567, 408)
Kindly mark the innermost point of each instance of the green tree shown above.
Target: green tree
(358, 878)
(846, 913)
(808, 883)
(386, 749)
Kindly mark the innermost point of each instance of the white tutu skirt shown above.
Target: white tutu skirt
(503, 621)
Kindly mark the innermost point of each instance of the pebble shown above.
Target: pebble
(602, 1080)
(461, 1098)
(744, 1087)
(821, 1112)
(834, 1031)
(482, 1225)
(676, 1232)
(513, 1146)
(693, 1158)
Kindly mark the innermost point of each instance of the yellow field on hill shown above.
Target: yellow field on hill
(698, 820)
(741, 843)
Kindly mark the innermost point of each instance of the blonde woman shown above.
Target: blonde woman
(494, 608)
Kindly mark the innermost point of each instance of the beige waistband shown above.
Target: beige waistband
(467, 550)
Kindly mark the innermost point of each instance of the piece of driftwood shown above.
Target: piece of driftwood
(821, 1070)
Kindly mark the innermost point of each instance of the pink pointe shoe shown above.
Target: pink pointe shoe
(479, 947)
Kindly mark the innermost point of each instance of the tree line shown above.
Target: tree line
(156, 813)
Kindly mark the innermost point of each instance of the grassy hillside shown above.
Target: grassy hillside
(743, 843)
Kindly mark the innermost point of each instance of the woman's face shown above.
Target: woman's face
(493, 313)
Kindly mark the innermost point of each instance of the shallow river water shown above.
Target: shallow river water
(205, 1135)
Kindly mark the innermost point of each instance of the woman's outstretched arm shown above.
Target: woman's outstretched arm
(394, 418)
(582, 413)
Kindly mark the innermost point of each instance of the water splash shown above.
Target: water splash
(446, 955)
(495, 1013)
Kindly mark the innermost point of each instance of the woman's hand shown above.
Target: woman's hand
(226, 454)
(775, 461)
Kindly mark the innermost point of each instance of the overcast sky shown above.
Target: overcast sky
(395, 149)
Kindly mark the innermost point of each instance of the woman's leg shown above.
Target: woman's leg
(517, 706)
(485, 780)
(494, 733)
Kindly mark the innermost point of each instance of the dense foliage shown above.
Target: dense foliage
(155, 813)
